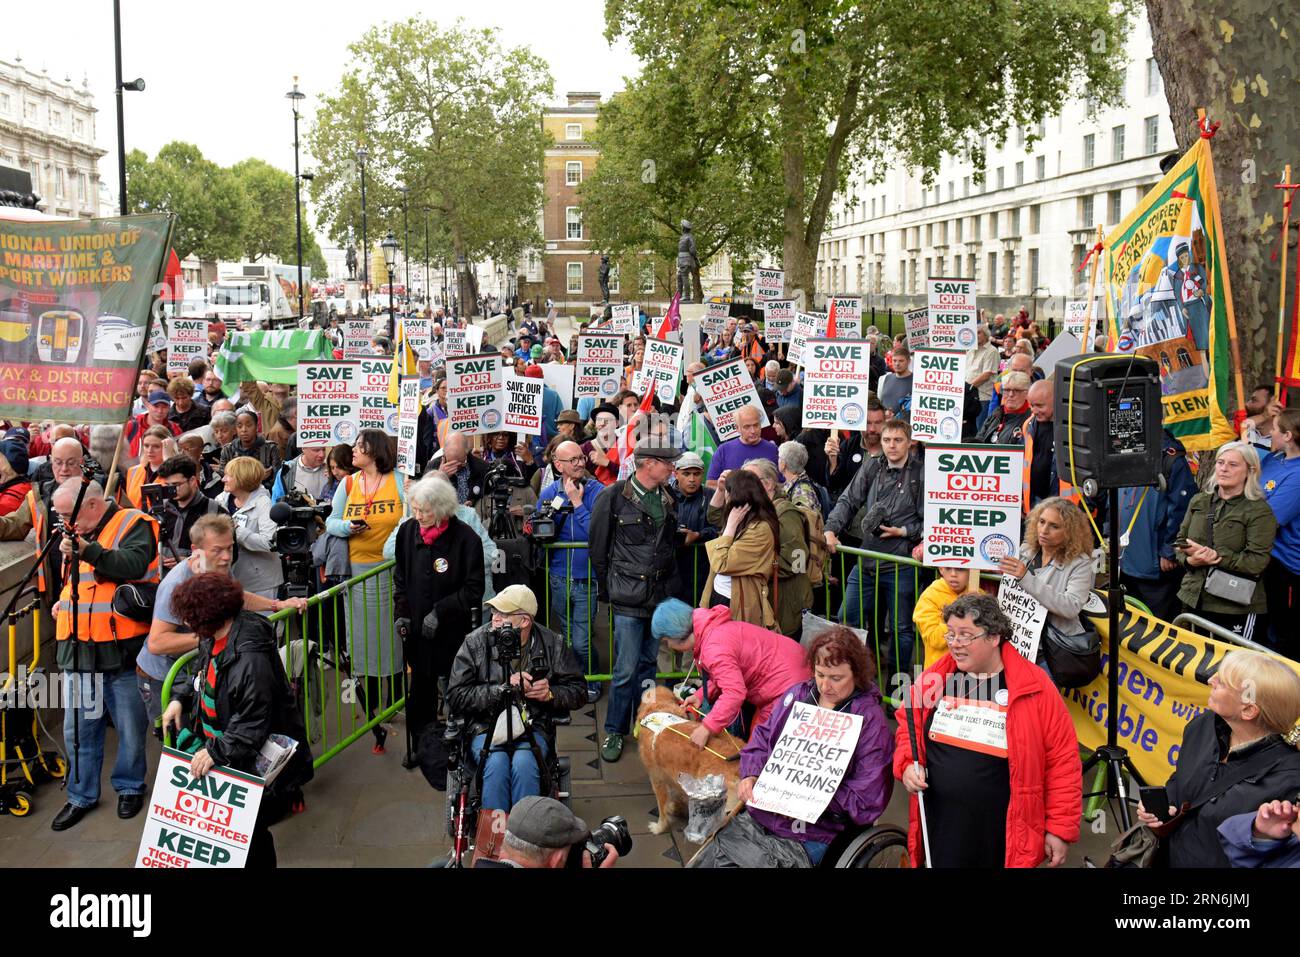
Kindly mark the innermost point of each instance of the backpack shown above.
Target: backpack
(814, 527)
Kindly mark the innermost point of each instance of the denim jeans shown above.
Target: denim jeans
(857, 612)
(151, 694)
(815, 850)
(119, 697)
(572, 607)
(636, 654)
(509, 778)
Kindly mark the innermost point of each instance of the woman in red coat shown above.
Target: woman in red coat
(999, 759)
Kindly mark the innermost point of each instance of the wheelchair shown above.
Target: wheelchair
(465, 783)
(873, 846)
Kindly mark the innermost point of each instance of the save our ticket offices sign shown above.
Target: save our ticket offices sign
(663, 367)
(356, 338)
(769, 283)
(808, 762)
(938, 395)
(972, 505)
(715, 317)
(623, 318)
(187, 339)
(329, 403)
(376, 411)
(726, 389)
(952, 313)
(474, 402)
(848, 316)
(198, 822)
(778, 320)
(600, 364)
(522, 398)
(918, 328)
(837, 379)
(408, 424)
(807, 325)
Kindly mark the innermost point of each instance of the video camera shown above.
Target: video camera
(296, 514)
(544, 528)
(499, 481)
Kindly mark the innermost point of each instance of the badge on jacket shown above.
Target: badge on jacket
(440, 565)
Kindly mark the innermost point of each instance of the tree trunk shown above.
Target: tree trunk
(798, 261)
(1235, 59)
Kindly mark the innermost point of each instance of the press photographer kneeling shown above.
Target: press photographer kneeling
(512, 677)
(541, 833)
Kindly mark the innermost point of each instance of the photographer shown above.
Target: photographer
(177, 507)
(546, 679)
(540, 833)
(568, 502)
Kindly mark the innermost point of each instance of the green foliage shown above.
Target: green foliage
(453, 115)
(212, 208)
(271, 230)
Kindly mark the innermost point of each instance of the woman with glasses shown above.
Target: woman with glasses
(1006, 425)
(986, 738)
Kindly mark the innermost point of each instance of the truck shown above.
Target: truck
(251, 296)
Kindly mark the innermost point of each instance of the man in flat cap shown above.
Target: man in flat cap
(539, 833)
(632, 536)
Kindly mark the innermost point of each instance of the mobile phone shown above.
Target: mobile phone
(360, 523)
(1155, 800)
(1180, 544)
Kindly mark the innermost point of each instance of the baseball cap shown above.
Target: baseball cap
(784, 378)
(158, 395)
(690, 460)
(545, 822)
(515, 598)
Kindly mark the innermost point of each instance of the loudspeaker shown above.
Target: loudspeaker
(1115, 424)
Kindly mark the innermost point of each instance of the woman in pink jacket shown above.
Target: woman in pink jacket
(740, 662)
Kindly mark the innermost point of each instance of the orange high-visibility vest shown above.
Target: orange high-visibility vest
(38, 525)
(95, 618)
(136, 478)
(1066, 490)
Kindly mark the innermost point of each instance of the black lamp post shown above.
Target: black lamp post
(406, 257)
(293, 96)
(135, 86)
(362, 156)
(428, 295)
(390, 247)
(460, 284)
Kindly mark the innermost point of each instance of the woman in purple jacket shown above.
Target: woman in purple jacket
(844, 681)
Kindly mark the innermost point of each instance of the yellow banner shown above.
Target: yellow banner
(1163, 684)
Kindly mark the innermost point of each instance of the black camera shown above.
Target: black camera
(156, 493)
(296, 514)
(506, 640)
(613, 831)
(874, 520)
(500, 480)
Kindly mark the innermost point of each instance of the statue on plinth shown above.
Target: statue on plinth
(688, 265)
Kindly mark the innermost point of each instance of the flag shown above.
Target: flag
(830, 320)
(1168, 298)
(404, 363)
(672, 318)
(270, 355)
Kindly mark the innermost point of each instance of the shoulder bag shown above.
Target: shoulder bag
(1234, 587)
(1073, 660)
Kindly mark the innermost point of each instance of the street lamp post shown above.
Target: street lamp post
(428, 290)
(460, 284)
(136, 86)
(362, 156)
(294, 96)
(406, 255)
(390, 247)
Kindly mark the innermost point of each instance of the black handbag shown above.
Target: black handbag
(1073, 660)
(135, 600)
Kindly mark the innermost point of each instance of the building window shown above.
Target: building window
(1020, 173)
(81, 186)
(929, 236)
(943, 233)
(1013, 222)
(873, 207)
(1115, 206)
(993, 225)
(573, 131)
(56, 119)
(960, 223)
(572, 222)
(1153, 77)
(58, 182)
(1033, 271)
(1086, 219)
(29, 111)
(574, 275)
(1090, 151)
(79, 127)
(965, 186)
(952, 191)
(1035, 218)
(975, 222)
(1002, 177)
(1117, 144)
(613, 278)
(1040, 167)
(993, 274)
(5, 103)
(647, 278)
(572, 173)
(1151, 138)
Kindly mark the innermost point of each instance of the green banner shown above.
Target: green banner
(269, 356)
(75, 299)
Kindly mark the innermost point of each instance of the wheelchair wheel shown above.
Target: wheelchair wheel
(882, 846)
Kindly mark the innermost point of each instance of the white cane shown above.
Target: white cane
(925, 828)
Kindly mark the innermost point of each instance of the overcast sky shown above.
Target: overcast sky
(216, 73)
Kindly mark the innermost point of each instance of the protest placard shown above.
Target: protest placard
(918, 328)
(356, 338)
(522, 398)
(474, 339)
(157, 335)
(848, 316)
(408, 424)
(455, 342)
(663, 367)
(560, 376)
(726, 389)
(1062, 347)
(715, 317)
(972, 505)
(376, 411)
(778, 320)
(436, 355)
(1027, 614)
(187, 339)
(417, 332)
(836, 380)
(623, 318)
(690, 330)
(198, 821)
(938, 395)
(329, 403)
(600, 364)
(1076, 321)
(953, 316)
(474, 401)
(807, 325)
(769, 284)
(808, 762)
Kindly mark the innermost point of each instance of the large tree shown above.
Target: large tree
(211, 206)
(1236, 60)
(453, 115)
(272, 227)
(834, 85)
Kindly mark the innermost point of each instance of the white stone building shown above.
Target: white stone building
(47, 127)
(1023, 231)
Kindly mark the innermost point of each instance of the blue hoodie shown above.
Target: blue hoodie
(1280, 479)
(1153, 533)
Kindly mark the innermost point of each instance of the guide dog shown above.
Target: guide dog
(669, 753)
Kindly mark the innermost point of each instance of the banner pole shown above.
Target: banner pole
(1286, 186)
(1227, 284)
(1100, 250)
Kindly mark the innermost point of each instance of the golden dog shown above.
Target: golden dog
(668, 753)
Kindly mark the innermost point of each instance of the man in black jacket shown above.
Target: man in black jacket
(479, 688)
(468, 473)
(633, 548)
